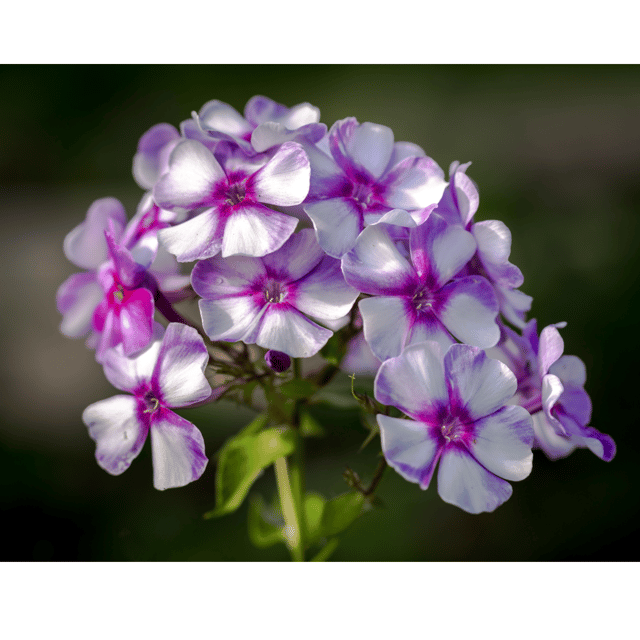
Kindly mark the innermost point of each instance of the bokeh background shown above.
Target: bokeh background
(556, 155)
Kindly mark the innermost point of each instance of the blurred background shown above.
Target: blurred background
(556, 155)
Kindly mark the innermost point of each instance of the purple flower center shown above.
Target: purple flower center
(235, 194)
(274, 291)
(151, 402)
(422, 300)
(362, 193)
(452, 429)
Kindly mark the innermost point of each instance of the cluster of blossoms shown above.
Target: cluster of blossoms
(290, 224)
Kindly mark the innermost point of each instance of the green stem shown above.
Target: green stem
(292, 520)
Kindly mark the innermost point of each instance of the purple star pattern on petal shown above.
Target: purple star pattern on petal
(169, 373)
(459, 417)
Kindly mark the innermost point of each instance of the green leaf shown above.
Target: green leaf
(242, 460)
(314, 505)
(256, 425)
(265, 523)
(340, 512)
(309, 426)
(326, 551)
(298, 388)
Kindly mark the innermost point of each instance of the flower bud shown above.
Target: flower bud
(277, 360)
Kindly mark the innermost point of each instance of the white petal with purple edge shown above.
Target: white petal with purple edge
(415, 183)
(478, 383)
(222, 117)
(255, 230)
(409, 448)
(117, 431)
(370, 147)
(552, 389)
(324, 294)
(136, 321)
(193, 173)
(469, 309)
(426, 327)
(284, 180)
(230, 319)
(502, 443)
(386, 324)
(177, 448)
(337, 222)
(127, 373)
(465, 483)
(376, 266)
(222, 277)
(195, 239)
(286, 329)
(441, 248)
(414, 382)
(296, 257)
(178, 373)
(85, 245)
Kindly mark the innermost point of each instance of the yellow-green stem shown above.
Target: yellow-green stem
(290, 511)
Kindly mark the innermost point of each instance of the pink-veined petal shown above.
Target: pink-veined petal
(409, 448)
(177, 447)
(119, 433)
(465, 483)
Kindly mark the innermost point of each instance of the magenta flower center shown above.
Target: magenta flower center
(422, 300)
(235, 194)
(362, 193)
(151, 402)
(452, 429)
(274, 291)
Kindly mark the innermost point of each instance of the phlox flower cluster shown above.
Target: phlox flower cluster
(293, 234)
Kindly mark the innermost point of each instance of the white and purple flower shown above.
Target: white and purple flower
(366, 176)
(417, 297)
(270, 301)
(229, 202)
(168, 374)
(114, 300)
(459, 418)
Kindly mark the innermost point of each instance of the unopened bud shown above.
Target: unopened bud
(277, 360)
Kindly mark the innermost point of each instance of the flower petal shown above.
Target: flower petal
(192, 176)
(337, 222)
(465, 483)
(570, 369)
(494, 246)
(136, 321)
(255, 230)
(85, 245)
(555, 446)
(218, 277)
(386, 323)
(178, 378)
(285, 329)
(323, 293)
(376, 266)
(152, 156)
(440, 249)
(295, 258)
(478, 384)
(414, 183)
(467, 307)
(195, 239)
(414, 382)
(230, 319)
(119, 433)
(284, 180)
(502, 443)
(77, 299)
(550, 347)
(409, 448)
(177, 448)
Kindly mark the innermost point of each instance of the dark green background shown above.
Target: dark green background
(555, 153)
